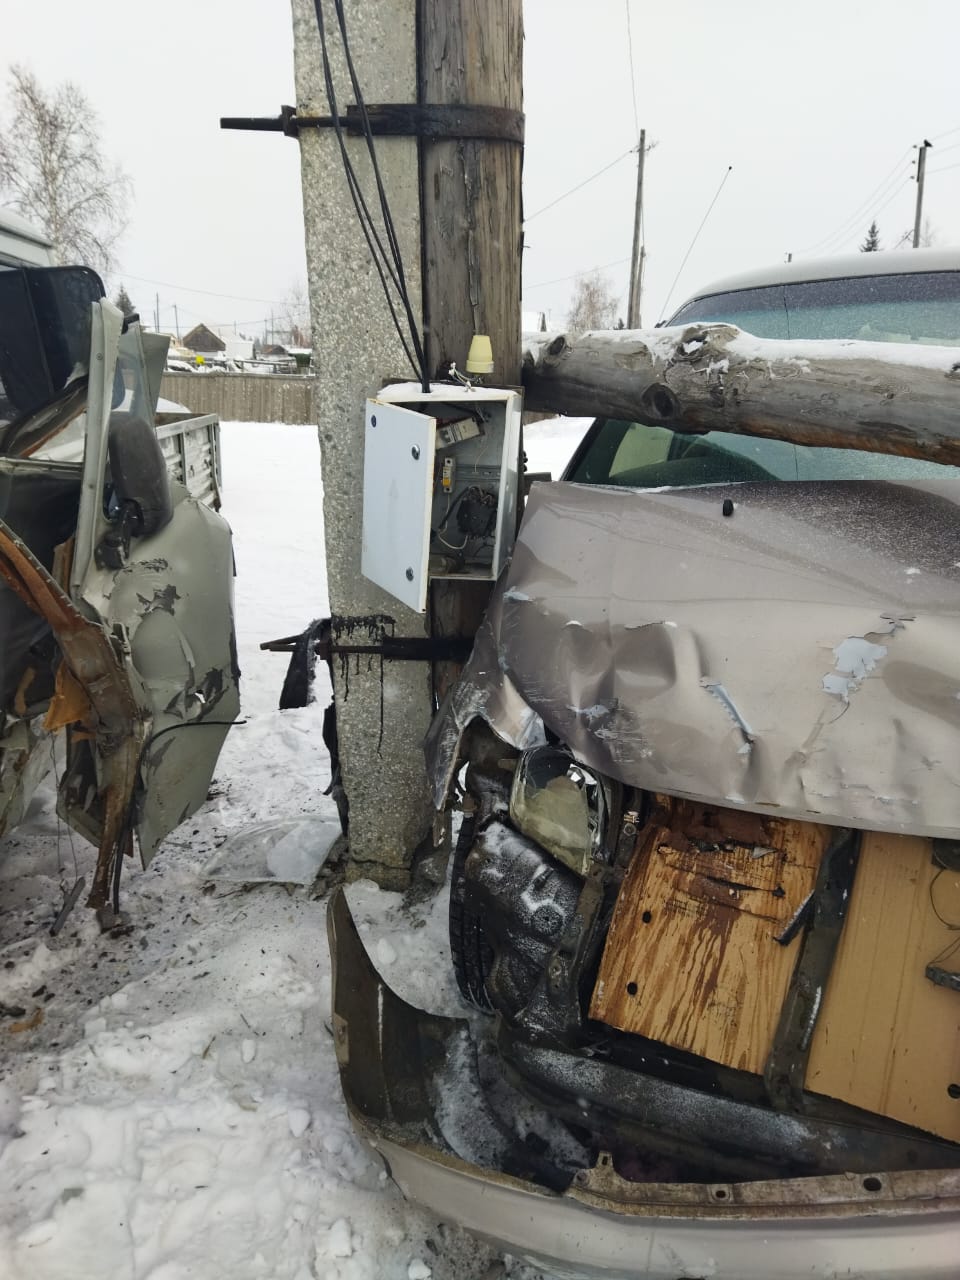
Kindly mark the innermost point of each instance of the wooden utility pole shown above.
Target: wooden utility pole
(636, 261)
(921, 175)
(470, 54)
(452, 178)
(697, 378)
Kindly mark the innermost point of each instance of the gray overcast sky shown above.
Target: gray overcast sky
(815, 105)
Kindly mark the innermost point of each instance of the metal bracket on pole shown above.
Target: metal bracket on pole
(787, 1062)
(395, 648)
(398, 119)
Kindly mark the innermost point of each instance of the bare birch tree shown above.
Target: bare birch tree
(295, 315)
(594, 305)
(52, 171)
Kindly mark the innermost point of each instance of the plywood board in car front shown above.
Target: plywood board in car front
(887, 1039)
(691, 958)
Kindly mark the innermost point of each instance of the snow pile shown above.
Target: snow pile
(170, 1106)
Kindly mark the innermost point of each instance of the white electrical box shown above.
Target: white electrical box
(440, 485)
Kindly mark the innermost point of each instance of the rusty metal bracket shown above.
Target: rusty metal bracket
(437, 122)
(396, 648)
(786, 1065)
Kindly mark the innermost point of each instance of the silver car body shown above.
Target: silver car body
(781, 649)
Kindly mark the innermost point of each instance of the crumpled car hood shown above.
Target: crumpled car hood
(799, 656)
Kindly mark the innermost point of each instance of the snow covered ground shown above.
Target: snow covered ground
(169, 1101)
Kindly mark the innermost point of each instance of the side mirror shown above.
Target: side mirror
(139, 473)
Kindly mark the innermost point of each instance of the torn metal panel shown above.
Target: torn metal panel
(26, 758)
(798, 658)
(116, 595)
(172, 602)
(116, 723)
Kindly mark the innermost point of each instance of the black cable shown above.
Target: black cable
(387, 265)
(337, 124)
(385, 212)
(377, 252)
(374, 244)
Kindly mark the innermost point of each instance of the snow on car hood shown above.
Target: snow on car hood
(799, 655)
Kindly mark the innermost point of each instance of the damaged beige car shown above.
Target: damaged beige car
(706, 891)
(116, 614)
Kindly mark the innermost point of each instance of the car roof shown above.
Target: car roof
(14, 223)
(893, 262)
(22, 243)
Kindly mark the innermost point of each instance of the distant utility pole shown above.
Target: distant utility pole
(156, 312)
(921, 174)
(176, 322)
(636, 261)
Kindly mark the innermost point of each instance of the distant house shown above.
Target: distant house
(204, 340)
(235, 347)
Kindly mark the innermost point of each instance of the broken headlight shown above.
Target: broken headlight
(561, 805)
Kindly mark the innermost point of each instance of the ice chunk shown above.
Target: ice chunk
(339, 1243)
(298, 1118)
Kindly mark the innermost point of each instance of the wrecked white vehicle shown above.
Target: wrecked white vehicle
(707, 884)
(116, 586)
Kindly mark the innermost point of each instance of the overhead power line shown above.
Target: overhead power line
(633, 73)
(893, 194)
(207, 293)
(603, 266)
(696, 237)
(879, 192)
(580, 185)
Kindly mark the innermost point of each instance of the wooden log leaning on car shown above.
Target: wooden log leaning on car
(883, 397)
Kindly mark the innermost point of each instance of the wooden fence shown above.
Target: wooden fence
(243, 397)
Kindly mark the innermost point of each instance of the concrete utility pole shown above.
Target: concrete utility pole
(456, 207)
(636, 261)
(921, 174)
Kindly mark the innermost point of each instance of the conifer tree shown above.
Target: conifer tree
(122, 300)
(872, 242)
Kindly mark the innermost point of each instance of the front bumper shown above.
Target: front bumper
(414, 1096)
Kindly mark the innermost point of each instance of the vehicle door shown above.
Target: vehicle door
(153, 567)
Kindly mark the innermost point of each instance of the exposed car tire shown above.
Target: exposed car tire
(471, 953)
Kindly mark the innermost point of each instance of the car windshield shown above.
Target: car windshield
(921, 306)
(634, 455)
